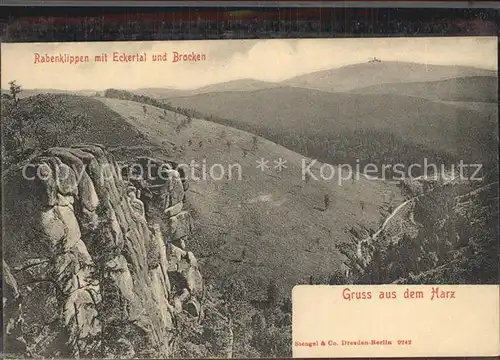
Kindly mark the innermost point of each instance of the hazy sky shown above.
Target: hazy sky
(268, 60)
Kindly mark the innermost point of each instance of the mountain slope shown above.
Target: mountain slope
(356, 76)
(266, 225)
(447, 235)
(235, 85)
(469, 89)
(313, 113)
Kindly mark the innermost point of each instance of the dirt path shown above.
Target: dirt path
(389, 218)
(402, 205)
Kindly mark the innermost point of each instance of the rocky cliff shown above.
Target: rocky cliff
(95, 254)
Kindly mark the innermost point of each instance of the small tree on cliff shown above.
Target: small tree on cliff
(14, 90)
(273, 293)
(15, 118)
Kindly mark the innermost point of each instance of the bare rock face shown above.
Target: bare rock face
(91, 266)
(161, 187)
(13, 325)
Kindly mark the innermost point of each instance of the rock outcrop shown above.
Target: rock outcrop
(96, 263)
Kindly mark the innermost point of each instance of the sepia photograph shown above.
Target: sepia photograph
(161, 199)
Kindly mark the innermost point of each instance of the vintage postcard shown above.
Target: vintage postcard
(250, 198)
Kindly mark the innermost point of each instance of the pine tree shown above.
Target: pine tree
(273, 293)
(14, 90)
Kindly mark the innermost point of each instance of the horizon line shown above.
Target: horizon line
(265, 81)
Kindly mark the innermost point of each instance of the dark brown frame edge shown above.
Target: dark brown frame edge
(70, 23)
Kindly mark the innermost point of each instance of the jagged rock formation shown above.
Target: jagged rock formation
(96, 263)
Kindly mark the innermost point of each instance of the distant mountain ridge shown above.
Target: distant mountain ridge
(343, 79)
(233, 85)
(357, 76)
